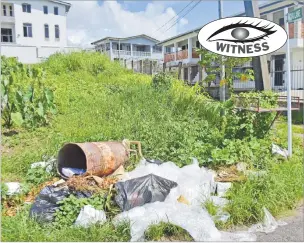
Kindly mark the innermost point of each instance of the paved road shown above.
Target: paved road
(293, 231)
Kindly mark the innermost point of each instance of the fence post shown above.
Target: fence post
(132, 64)
(179, 70)
(151, 67)
(164, 67)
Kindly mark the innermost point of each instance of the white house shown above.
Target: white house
(181, 49)
(33, 30)
(130, 48)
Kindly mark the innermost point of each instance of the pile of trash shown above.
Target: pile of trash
(153, 192)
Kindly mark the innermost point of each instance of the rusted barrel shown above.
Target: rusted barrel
(98, 158)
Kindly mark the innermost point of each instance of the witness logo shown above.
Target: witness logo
(242, 37)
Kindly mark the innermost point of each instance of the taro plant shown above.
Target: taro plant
(30, 108)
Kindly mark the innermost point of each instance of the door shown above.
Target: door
(279, 73)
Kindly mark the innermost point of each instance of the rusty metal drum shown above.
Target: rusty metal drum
(97, 158)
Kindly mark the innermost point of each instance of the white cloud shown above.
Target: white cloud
(87, 21)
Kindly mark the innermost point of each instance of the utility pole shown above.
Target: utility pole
(222, 75)
(289, 115)
(260, 67)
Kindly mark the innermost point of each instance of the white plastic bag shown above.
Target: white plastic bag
(222, 188)
(89, 215)
(278, 150)
(269, 224)
(196, 185)
(13, 188)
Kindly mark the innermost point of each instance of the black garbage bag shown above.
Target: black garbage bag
(142, 190)
(45, 204)
(154, 161)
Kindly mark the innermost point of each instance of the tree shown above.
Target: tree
(212, 62)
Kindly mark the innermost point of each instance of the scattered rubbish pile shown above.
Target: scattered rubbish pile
(195, 185)
(153, 192)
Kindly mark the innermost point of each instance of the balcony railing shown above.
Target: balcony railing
(128, 53)
(141, 53)
(169, 57)
(180, 55)
(121, 52)
(292, 29)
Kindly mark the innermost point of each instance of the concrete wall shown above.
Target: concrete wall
(32, 54)
(38, 19)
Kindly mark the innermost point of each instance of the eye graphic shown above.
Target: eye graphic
(242, 32)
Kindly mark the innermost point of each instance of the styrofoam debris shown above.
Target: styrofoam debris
(89, 215)
(278, 150)
(57, 183)
(196, 185)
(268, 225)
(13, 188)
(222, 188)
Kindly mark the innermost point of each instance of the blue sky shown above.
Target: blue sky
(125, 18)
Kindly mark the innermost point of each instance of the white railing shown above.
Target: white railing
(121, 53)
(141, 54)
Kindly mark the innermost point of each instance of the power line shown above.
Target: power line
(182, 16)
(174, 16)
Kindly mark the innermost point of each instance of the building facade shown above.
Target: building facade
(33, 30)
(129, 48)
(180, 50)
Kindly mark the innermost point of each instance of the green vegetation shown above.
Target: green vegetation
(210, 207)
(30, 108)
(167, 232)
(22, 228)
(98, 100)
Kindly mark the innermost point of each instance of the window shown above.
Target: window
(46, 31)
(27, 30)
(278, 17)
(11, 10)
(197, 44)
(26, 8)
(45, 10)
(4, 10)
(6, 35)
(57, 32)
(56, 10)
(264, 17)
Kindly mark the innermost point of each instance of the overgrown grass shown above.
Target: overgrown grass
(167, 232)
(279, 190)
(114, 104)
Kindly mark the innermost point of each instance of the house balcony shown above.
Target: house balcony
(7, 19)
(136, 54)
(180, 56)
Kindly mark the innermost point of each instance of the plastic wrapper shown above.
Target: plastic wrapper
(142, 190)
(222, 188)
(268, 225)
(195, 185)
(13, 188)
(89, 215)
(45, 204)
(278, 150)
